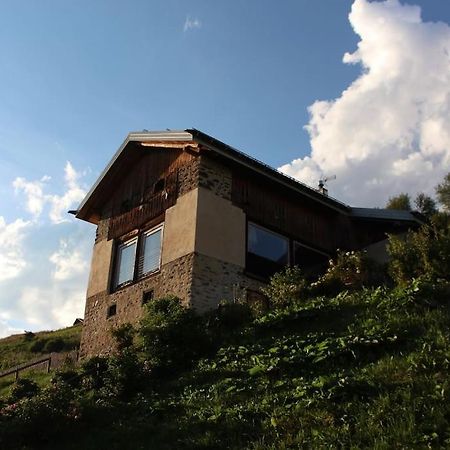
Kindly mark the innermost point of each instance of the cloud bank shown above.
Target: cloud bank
(12, 261)
(389, 131)
(44, 258)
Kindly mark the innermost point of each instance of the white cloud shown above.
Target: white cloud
(12, 260)
(191, 23)
(34, 191)
(69, 261)
(7, 330)
(37, 199)
(73, 196)
(43, 284)
(389, 131)
(50, 307)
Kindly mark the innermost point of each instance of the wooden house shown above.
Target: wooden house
(179, 212)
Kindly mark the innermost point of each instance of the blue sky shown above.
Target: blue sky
(78, 76)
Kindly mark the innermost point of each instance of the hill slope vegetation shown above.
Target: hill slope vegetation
(336, 364)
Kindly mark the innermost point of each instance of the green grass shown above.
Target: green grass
(360, 370)
(42, 379)
(20, 348)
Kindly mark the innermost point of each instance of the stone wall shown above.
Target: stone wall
(174, 278)
(215, 280)
(188, 176)
(215, 176)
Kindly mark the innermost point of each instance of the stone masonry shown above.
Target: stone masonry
(175, 278)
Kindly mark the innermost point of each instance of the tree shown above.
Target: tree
(425, 205)
(401, 201)
(443, 192)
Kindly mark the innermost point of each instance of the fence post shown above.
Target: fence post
(17, 374)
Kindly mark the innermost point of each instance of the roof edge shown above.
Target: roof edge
(134, 136)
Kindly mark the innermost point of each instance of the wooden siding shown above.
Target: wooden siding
(149, 187)
(294, 216)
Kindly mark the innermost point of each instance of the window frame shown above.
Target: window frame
(117, 260)
(291, 240)
(138, 239)
(268, 230)
(141, 248)
(296, 242)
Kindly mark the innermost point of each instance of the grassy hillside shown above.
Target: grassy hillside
(21, 348)
(364, 369)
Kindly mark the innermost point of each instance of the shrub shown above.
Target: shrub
(349, 270)
(230, 315)
(23, 388)
(286, 286)
(54, 345)
(29, 335)
(38, 345)
(95, 372)
(422, 253)
(124, 336)
(172, 335)
(70, 377)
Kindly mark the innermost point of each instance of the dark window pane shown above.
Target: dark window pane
(312, 262)
(267, 252)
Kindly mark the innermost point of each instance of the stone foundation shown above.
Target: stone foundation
(174, 278)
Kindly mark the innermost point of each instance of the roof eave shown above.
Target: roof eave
(82, 210)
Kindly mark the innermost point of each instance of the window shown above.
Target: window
(312, 262)
(112, 310)
(126, 256)
(151, 251)
(267, 252)
(138, 257)
(147, 297)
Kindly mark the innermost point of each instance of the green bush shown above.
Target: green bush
(350, 270)
(228, 316)
(95, 372)
(54, 345)
(422, 253)
(286, 287)
(172, 336)
(38, 345)
(124, 336)
(23, 388)
(70, 377)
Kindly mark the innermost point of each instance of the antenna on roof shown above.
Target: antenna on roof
(323, 180)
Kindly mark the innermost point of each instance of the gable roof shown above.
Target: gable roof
(127, 153)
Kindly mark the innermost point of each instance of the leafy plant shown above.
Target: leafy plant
(422, 253)
(172, 335)
(286, 286)
(23, 388)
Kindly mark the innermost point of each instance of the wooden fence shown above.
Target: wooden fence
(47, 362)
